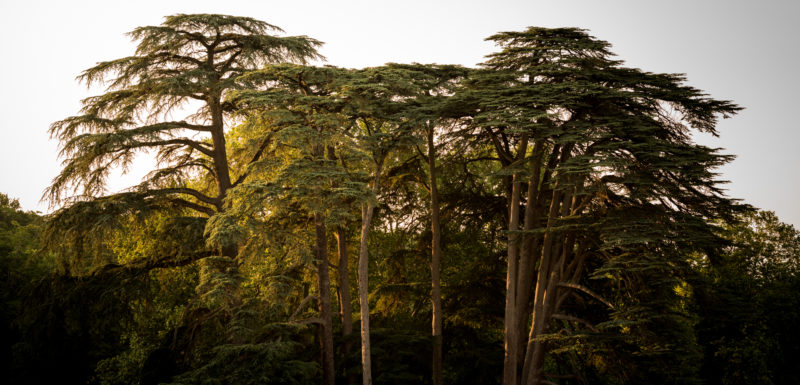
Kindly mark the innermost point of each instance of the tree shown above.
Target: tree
(185, 66)
(611, 168)
(337, 128)
(427, 113)
(189, 61)
(376, 114)
(294, 112)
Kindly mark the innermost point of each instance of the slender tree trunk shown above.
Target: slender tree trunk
(548, 276)
(326, 330)
(530, 244)
(510, 330)
(345, 302)
(363, 277)
(345, 307)
(436, 258)
(531, 363)
(324, 286)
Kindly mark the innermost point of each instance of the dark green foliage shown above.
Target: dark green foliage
(63, 334)
(748, 301)
(278, 359)
(21, 264)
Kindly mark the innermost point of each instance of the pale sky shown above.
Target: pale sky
(744, 51)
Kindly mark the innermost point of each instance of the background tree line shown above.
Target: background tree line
(542, 219)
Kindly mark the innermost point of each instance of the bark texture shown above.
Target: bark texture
(436, 261)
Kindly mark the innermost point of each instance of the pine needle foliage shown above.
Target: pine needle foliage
(189, 61)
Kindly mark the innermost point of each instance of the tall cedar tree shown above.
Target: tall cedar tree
(427, 114)
(598, 158)
(342, 125)
(294, 112)
(189, 61)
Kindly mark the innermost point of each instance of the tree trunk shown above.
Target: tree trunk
(547, 279)
(510, 329)
(532, 362)
(363, 277)
(220, 151)
(436, 258)
(345, 307)
(530, 245)
(326, 324)
(326, 329)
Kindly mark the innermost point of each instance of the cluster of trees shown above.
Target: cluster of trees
(543, 219)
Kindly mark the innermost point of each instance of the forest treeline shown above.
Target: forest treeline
(542, 219)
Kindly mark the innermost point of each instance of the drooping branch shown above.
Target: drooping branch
(586, 290)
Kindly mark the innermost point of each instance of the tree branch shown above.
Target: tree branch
(194, 206)
(587, 291)
(199, 146)
(256, 156)
(505, 157)
(301, 306)
(188, 191)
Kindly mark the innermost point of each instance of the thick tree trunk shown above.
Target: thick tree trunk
(220, 152)
(326, 329)
(363, 278)
(345, 309)
(436, 258)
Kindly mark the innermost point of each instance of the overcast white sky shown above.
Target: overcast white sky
(745, 51)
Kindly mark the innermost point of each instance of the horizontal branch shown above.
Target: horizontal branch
(136, 269)
(188, 191)
(199, 146)
(194, 206)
